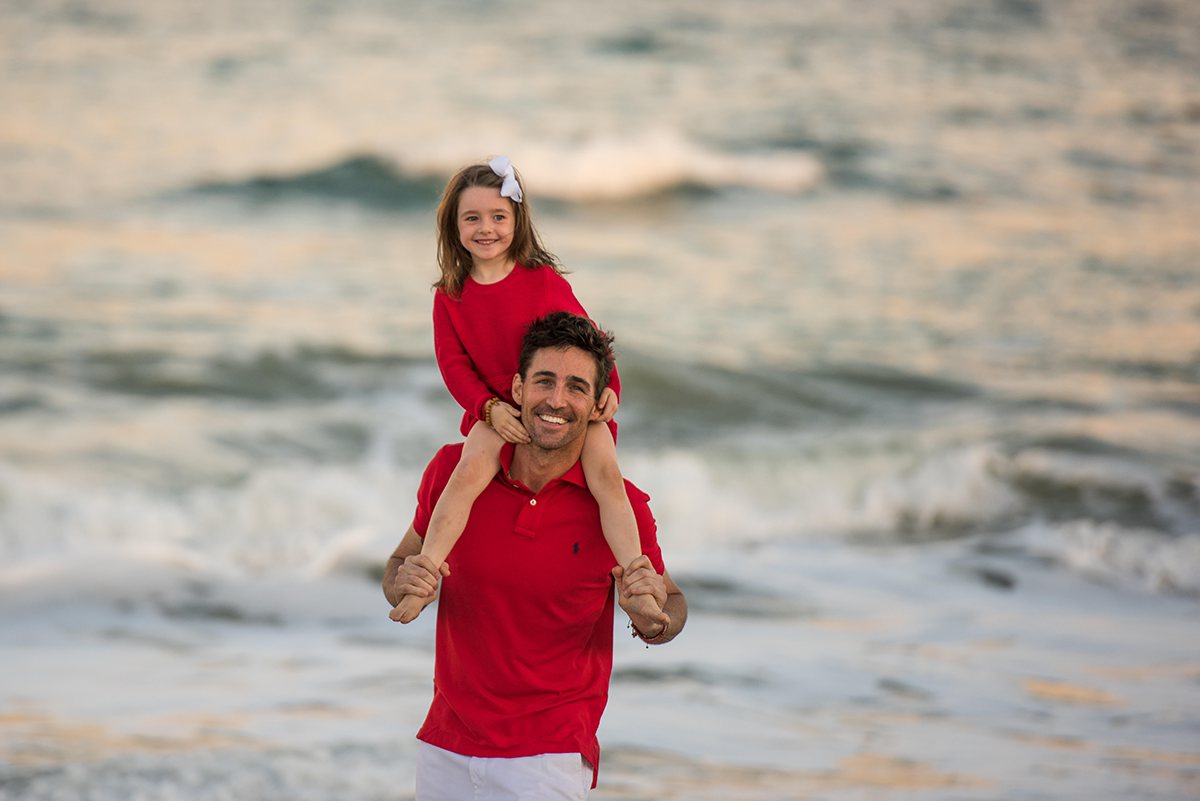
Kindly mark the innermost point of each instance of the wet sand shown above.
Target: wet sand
(875, 673)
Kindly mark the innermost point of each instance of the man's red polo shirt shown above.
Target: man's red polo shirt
(525, 619)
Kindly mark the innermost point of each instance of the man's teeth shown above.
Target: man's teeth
(549, 418)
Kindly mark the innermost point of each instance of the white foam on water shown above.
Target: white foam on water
(1113, 553)
(958, 488)
(1089, 472)
(301, 520)
(701, 497)
(312, 521)
(600, 167)
(971, 490)
(644, 163)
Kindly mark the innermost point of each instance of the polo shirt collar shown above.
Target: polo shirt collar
(574, 474)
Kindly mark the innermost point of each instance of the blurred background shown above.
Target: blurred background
(907, 307)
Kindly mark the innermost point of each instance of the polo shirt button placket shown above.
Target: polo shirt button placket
(527, 523)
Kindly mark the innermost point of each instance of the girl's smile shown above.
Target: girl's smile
(485, 229)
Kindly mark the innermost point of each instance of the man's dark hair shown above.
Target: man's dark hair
(561, 330)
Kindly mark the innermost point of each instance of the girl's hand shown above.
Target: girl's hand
(608, 405)
(506, 420)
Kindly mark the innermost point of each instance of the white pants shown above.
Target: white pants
(445, 776)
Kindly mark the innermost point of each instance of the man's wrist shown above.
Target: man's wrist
(659, 636)
(389, 578)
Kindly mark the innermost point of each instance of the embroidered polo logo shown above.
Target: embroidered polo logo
(575, 549)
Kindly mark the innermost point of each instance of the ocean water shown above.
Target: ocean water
(907, 307)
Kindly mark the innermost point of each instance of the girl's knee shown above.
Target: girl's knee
(480, 458)
(475, 468)
(606, 482)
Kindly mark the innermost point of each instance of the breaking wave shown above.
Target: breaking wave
(596, 170)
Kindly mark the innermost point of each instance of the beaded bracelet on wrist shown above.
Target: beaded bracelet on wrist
(657, 638)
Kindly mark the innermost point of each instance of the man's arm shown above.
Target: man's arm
(409, 572)
(643, 579)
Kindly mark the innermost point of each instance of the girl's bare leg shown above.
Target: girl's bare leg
(607, 485)
(478, 465)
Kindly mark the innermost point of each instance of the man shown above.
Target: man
(525, 617)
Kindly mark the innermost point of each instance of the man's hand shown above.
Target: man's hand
(418, 575)
(641, 579)
(506, 420)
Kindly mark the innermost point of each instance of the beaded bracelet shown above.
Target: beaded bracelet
(487, 411)
(657, 638)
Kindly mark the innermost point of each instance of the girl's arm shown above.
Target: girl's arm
(562, 298)
(458, 371)
(608, 404)
(614, 381)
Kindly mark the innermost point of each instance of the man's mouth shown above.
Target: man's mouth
(553, 419)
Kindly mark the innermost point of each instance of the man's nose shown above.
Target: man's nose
(558, 396)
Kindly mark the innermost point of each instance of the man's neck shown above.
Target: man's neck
(535, 467)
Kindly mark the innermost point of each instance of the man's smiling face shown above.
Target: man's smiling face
(557, 396)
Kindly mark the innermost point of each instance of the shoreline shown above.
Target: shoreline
(877, 671)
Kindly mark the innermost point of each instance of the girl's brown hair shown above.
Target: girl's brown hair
(454, 260)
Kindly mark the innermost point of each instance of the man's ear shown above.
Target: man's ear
(517, 387)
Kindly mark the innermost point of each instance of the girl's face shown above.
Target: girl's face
(485, 225)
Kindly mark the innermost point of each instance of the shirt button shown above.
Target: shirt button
(533, 502)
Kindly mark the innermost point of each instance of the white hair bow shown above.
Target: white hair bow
(504, 168)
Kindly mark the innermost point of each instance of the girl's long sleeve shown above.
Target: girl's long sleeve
(477, 336)
(458, 371)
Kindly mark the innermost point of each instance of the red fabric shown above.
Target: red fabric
(525, 618)
(477, 336)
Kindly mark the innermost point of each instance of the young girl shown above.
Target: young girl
(497, 278)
